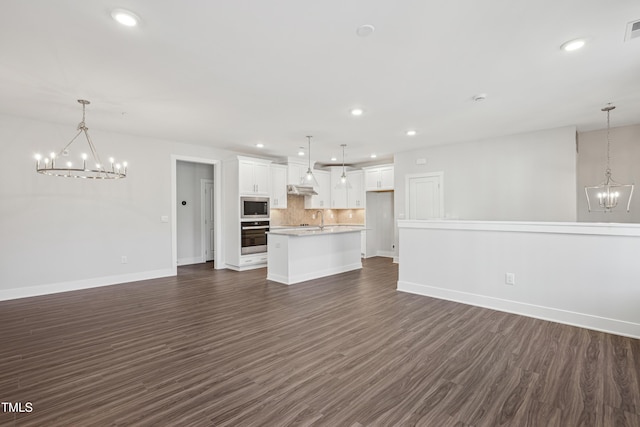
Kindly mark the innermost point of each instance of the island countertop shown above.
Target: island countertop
(315, 231)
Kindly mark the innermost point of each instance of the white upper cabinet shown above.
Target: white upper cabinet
(278, 186)
(378, 178)
(355, 192)
(295, 172)
(254, 177)
(338, 192)
(322, 200)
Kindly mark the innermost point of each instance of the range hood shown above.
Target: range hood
(301, 190)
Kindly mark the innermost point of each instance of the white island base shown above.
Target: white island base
(298, 256)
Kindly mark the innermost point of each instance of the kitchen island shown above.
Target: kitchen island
(298, 255)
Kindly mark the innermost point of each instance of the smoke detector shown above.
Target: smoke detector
(633, 30)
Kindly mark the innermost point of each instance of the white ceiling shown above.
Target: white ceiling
(233, 73)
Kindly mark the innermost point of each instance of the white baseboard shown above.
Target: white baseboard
(54, 288)
(246, 267)
(190, 261)
(603, 324)
(314, 275)
(387, 254)
(396, 260)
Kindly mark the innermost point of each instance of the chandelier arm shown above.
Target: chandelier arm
(70, 142)
(94, 152)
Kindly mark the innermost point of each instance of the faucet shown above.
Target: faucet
(321, 219)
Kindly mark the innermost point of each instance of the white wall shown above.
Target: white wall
(189, 216)
(525, 177)
(580, 274)
(60, 233)
(592, 163)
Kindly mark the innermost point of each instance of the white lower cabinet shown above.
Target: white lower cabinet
(257, 260)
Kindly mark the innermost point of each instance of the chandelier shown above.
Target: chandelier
(59, 164)
(609, 193)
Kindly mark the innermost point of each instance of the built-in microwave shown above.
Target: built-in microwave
(254, 207)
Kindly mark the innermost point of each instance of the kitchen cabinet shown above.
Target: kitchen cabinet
(321, 201)
(253, 177)
(378, 178)
(355, 194)
(295, 173)
(338, 191)
(278, 186)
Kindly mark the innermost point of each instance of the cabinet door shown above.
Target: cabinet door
(246, 182)
(338, 192)
(372, 179)
(321, 201)
(386, 178)
(278, 187)
(355, 194)
(295, 173)
(261, 178)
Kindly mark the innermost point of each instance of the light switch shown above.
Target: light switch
(164, 218)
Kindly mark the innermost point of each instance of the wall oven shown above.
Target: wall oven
(253, 237)
(254, 207)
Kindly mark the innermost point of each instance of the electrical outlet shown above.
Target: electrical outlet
(123, 259)
(510, 279)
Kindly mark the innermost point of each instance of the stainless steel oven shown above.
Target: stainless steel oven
(254, 207)
(253, 237)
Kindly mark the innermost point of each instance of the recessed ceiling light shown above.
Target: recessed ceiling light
(259, 145)
(357, 111)
(301, 152)
(365, 30)
(572, 45)
(411, 132)
(374, 155)
(124, 17)
(333, 159)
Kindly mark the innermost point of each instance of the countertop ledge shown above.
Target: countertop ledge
(588, 228)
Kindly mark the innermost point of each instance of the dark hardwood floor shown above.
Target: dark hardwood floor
(226, 348)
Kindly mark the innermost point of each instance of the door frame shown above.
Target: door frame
(204, 231)
(217, 199)
(408, 177)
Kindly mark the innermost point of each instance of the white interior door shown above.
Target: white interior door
(208, 220)
(425, 196)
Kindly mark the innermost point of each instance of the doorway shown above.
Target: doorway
(425, 196)
(196, 195)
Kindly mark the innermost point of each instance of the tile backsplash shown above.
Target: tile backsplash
(296, 214)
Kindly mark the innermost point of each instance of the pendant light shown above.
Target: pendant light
(343, 183)
(52, 165)
(309, 179)
(609, 194)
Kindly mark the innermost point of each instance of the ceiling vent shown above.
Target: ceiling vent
(633, 30)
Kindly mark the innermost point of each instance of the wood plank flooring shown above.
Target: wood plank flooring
(223, 348)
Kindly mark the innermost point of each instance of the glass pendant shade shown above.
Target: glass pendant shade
(308, 178)
(343, 183)
(609, 194)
